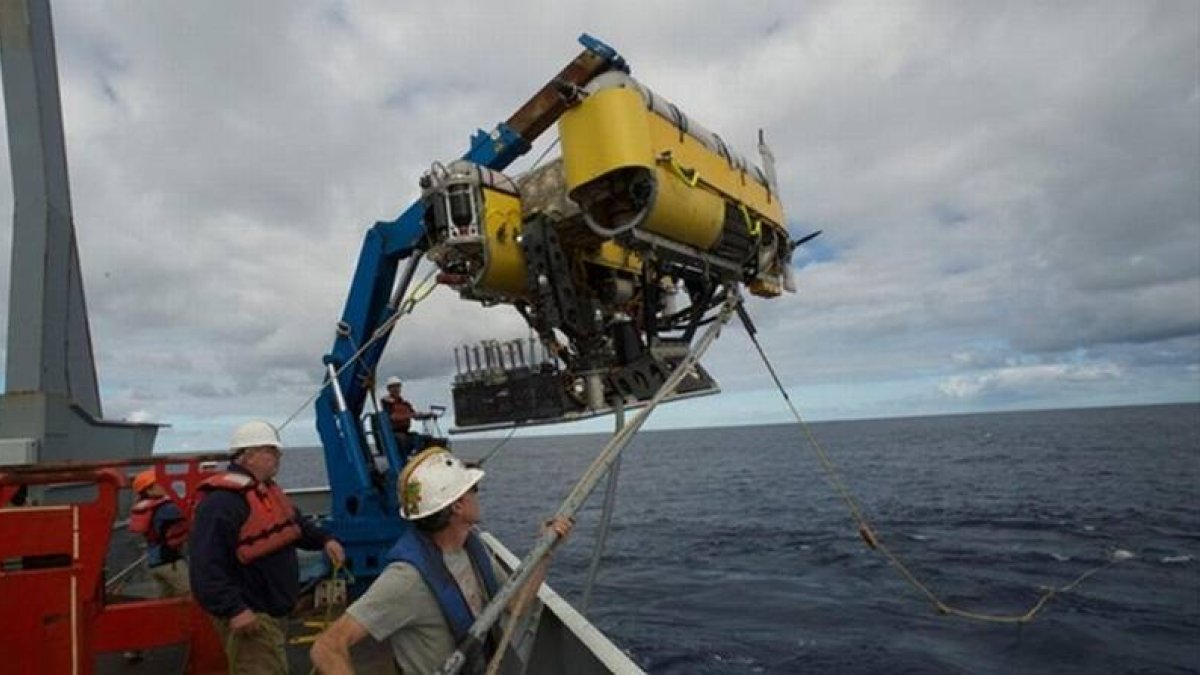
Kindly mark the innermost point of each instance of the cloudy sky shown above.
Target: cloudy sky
(1009, 192)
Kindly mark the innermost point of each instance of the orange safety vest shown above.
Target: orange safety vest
(273, 522)
(141, 521)
(399, 408)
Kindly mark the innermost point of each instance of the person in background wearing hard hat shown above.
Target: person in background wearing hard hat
(156, 518)
(159, 520)
(244, 569)
(401, 413)
(440, 577)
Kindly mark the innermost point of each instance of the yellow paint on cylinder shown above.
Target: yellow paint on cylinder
(607, 131)
(691, 215)
(714, 170)
(503, 270)
(612, 130)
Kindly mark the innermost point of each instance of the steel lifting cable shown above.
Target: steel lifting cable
(544, 153)
(119, 577)
(490, 453)
(583, 489)
(872, 540)
(406, 307)
(610, 500)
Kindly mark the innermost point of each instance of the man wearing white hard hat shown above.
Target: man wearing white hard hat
(402, 413)
(440, 578)
(244, 571)
(399, 410)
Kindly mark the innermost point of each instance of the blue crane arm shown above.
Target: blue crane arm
(364, 508)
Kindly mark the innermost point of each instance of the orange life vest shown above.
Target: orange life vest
(400, 412)
(141, 521)
(273, 522)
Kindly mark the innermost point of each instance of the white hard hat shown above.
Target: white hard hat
(254, 434)
(393, 380)
(432, 480)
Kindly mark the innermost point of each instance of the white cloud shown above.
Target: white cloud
(140, 416)
(1014, 184)
(1022, 379)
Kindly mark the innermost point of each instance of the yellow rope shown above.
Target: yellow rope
(873, 542)
(753, 225)
(327, 620)
(516, 614)
(689, 176)
(527, 593)
(427, 286)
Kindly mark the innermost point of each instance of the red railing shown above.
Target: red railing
(54, 614)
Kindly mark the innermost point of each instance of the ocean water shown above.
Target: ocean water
(731, 553)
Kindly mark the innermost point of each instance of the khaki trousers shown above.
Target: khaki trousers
(172, 579)
(257, 652)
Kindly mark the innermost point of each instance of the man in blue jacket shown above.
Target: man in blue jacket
(244, 569)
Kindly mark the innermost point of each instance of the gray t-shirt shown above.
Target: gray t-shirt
(459, 564)
(400, 608)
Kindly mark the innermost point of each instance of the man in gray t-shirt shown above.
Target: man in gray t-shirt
(400, 608)
(440, 579)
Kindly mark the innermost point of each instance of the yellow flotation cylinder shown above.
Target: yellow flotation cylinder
(630, 167)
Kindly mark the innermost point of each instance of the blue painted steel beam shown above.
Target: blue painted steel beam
(364, 514)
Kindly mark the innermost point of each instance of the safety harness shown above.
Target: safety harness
(416, 549)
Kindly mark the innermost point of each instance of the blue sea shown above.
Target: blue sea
(730, 552)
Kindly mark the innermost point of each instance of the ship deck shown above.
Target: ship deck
(556, 639)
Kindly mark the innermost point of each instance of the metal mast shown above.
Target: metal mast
(51, 406)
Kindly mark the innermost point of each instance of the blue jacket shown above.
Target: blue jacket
(417, 549)
(160, 553)
(222, 585)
